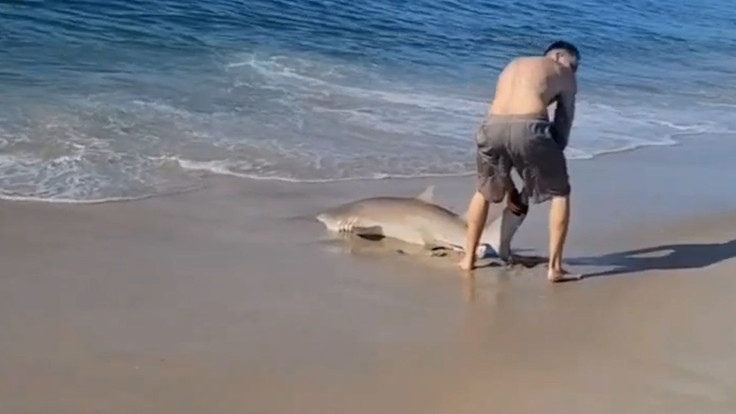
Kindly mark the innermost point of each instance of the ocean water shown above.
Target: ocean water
(123, 99)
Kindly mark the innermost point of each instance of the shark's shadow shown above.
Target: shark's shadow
(665, 257)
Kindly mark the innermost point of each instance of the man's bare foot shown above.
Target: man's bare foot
(467, 263)
(562, 275)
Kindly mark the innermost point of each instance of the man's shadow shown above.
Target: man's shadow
(665, 257)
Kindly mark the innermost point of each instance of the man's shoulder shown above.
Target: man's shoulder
(523, 63)
(527, 59)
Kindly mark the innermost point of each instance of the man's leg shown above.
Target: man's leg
(477, 214)
(493, 164)
(559, 221)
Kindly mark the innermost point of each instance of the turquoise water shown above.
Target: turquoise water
(120, 99)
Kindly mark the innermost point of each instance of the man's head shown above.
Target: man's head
(564, 53)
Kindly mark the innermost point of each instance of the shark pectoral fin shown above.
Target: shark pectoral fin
(427, 195)
(428, 240)
(369, 232)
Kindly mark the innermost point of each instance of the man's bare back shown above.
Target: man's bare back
(529, 85)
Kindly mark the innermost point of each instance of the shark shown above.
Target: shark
(420, 220)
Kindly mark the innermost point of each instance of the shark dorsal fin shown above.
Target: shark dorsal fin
(427, 195)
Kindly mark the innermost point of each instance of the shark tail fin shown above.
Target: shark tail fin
(498, 232)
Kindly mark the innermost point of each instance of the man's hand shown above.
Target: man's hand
(514, 202)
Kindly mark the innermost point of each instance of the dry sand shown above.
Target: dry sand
(232, 300)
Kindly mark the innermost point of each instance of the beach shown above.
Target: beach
(231, 298)
(162, 164)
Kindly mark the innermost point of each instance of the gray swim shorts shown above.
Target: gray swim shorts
(525, 143)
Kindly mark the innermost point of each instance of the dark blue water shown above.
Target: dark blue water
(129, 98)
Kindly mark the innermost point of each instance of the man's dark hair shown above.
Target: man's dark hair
(566, 46)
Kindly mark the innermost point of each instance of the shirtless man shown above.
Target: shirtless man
(518, 134)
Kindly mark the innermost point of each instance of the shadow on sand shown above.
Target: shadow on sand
(665, 257)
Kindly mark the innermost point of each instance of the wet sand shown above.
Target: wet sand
(231, 299)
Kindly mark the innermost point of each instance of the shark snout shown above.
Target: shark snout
(328, 220)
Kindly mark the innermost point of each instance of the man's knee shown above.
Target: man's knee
(490, 191)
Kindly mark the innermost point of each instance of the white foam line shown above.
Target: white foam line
(717, 105)
(15, 198)
(223, 170)
(220, 170)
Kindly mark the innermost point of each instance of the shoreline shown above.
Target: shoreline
(208, 175)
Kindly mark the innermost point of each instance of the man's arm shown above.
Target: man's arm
(564, 115)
